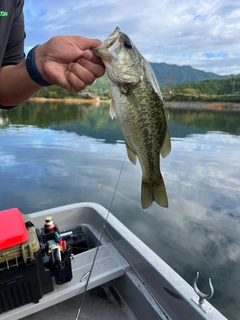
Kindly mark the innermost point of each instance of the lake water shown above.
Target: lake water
(57, 154)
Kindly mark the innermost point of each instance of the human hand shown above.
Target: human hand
(68, 62)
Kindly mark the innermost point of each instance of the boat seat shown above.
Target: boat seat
(109, 265)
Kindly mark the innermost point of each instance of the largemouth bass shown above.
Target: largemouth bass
(138, 106)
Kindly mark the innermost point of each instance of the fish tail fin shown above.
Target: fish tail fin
(154, 191)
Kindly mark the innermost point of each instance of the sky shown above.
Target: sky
(201, 33)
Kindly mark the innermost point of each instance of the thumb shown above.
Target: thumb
(88, 54)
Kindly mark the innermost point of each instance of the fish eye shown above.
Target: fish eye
(127, 44)
(126, 41)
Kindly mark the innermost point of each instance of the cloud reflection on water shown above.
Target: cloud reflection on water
(200, 230)
(43, 168)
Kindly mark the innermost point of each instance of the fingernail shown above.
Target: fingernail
(70, 64)
(88, 54)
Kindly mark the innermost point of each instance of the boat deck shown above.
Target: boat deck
(108, 265)
(99, 303)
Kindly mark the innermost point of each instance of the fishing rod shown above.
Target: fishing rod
(88, 275)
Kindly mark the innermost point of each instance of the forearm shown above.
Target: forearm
(16, 86)
(65, 61)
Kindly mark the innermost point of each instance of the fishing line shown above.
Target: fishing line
(99, 243)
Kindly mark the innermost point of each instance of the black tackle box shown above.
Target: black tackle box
(30, 258)
(23, 277)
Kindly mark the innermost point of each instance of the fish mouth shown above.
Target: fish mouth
(116, 34)
(108, 43)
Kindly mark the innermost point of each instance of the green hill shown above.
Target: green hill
(179, 75)
(229, 86)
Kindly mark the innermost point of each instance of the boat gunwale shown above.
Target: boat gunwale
(178, 292)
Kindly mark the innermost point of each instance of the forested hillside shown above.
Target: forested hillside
(175, 82)
(225, 90)
(212, 87)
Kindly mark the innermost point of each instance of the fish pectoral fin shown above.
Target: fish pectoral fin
(154, 191)
(166, 147)
(133, 99)
(132, 156)
(112, 110)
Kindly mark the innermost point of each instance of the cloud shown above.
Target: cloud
(202, 34)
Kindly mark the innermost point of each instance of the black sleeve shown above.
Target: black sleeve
(14, 52)
(15, 47)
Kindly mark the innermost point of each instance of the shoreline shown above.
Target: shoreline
(197, 105)
(68, 100)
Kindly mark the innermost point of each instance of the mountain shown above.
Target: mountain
(180, 74)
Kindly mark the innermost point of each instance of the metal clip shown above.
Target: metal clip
(85, 276)
(200, 300)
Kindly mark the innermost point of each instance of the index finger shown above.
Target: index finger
(86, 43)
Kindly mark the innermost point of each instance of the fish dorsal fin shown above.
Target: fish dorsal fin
(131, 154)
(112, 110)
(166, 147)
(149, 74)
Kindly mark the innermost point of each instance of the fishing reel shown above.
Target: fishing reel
(58, 249)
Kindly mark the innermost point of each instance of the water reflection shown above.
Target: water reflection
(202, 121)
(96, 121)
(53, 155)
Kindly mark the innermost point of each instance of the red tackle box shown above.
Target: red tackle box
(12, 228)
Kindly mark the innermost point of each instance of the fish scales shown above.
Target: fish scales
(138, 106)
(144, 134)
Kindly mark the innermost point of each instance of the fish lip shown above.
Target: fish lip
(108, 42)
(112, 38)
(117, 30)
